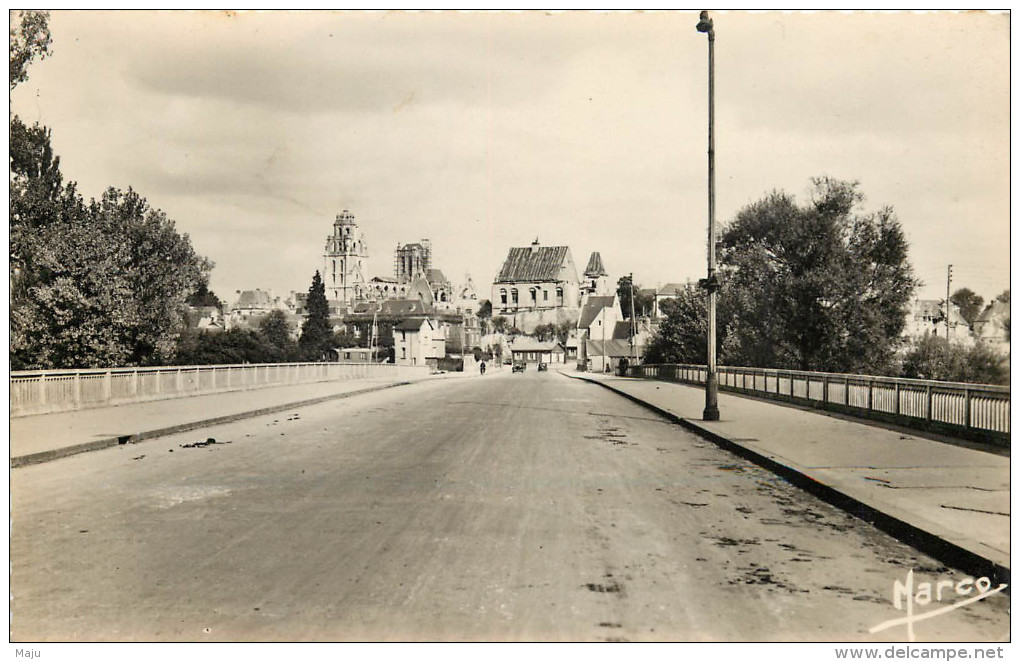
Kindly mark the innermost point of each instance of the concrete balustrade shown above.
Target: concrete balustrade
(50, 391)
(977, 411)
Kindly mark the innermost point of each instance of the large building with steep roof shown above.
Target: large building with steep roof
(537, 285)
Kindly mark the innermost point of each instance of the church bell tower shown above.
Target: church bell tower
(345, 250)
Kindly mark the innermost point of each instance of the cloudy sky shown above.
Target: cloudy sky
(482, 131)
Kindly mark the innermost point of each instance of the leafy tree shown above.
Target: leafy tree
(30, 39)
(203, 296)
(969, 303)
(316, 333)
(235, 346)
(100, 284)
(936, 358)
(642, 302)
(276, 331)
(345, 338)
(816, 287)
(683, 333)
(563, 330)
(96, 285)
(485, 309)
(500, 324)
(1004, 297)
(544, 332)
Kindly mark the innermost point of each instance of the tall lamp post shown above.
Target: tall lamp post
(711, 283)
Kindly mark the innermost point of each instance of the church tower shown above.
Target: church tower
(342, 275)
(596, 278)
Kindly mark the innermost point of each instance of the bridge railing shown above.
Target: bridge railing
(50, 391)
(970, 410)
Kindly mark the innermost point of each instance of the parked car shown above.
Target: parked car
(542, 367)
(520, 366)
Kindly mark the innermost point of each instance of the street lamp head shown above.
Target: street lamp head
(705, 23)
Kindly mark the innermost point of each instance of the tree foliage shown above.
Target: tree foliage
(30, 39)
(822, 286)
(970, 304)
(275, 329)
(316, 332)
(203, 296)
(97, 284)
(100, 284)
(936, 358)
(544, 332)
(817, 287)
(500, 324)
(682, 336)
(642, 302)
(235, 346)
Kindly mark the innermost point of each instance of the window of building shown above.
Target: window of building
(545, 295)
(534, 296)
(513, 296)
(559, 296)
(502, 296)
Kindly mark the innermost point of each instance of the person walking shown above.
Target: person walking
(481, 368)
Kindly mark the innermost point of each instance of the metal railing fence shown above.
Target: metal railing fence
(50, 391)
(980, 410)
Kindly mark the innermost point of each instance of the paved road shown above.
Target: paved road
(509, 507)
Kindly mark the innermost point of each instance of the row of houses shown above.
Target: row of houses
(927, 317)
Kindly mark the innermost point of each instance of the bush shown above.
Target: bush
(938, 359)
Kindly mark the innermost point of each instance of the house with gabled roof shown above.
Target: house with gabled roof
(600, 319)
(992, 326)
(537, 285)
(418, 342)
(667, 291)
(927, 317)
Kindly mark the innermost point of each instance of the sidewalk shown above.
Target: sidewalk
(47, 437)
(949, 501)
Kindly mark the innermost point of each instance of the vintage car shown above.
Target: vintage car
(542, 367)
(520, 366)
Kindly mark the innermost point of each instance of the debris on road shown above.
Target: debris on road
(201, 444)
(138, 458)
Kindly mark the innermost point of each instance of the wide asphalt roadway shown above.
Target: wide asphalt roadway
(506, 507)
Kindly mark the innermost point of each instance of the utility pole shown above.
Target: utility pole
(633, 323)
(602, 323)
(949, 280)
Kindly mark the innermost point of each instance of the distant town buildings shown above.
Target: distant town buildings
(927, 317)
(992, 326)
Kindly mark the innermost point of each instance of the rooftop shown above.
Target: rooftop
(533, 263)
(592, 307)
(595, 267)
